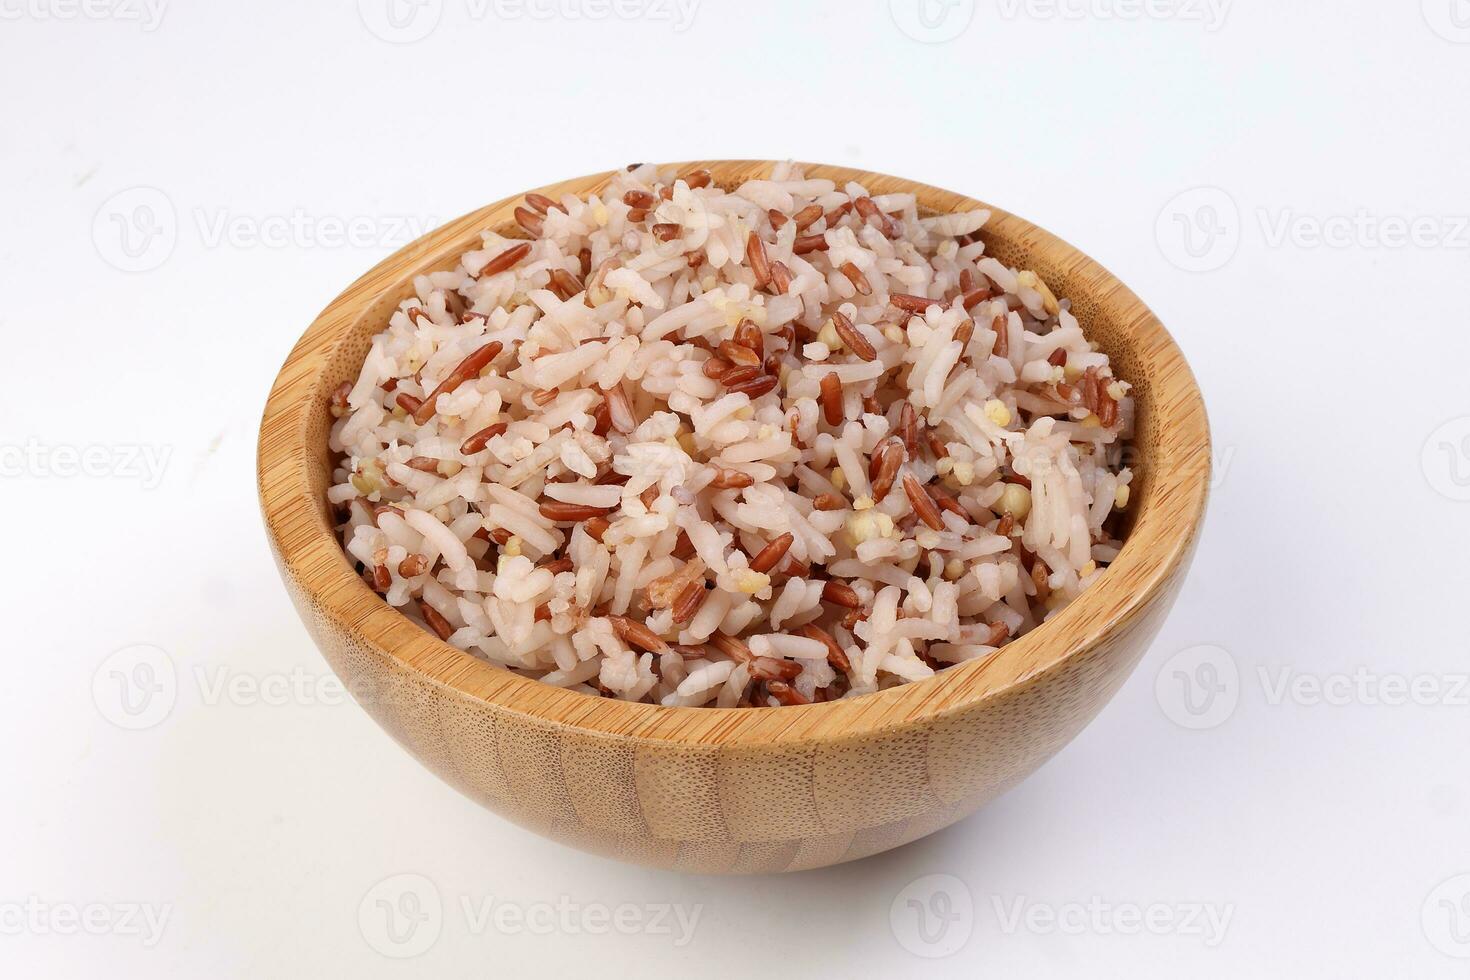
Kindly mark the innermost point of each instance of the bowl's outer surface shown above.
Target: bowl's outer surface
(741, 790)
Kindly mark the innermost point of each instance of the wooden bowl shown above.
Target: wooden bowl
(748, 789)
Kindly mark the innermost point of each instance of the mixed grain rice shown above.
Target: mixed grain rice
(779, 444)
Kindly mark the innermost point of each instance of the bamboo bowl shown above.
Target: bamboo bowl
(751, 789)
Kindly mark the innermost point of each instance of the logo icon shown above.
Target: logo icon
(933, 917)
(1450, 19)
(1199, 687)
(1446, 459)
(400, 21)
(136, 687)
(401, 916)
(1199, 230)
(932, 21)
(1446, 917)
(136, 230)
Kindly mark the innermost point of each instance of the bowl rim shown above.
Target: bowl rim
(1157, 548)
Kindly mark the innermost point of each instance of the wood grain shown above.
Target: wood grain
(740, 790)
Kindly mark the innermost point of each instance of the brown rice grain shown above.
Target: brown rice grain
(468, 368)
(831, 387)
(767, 557)
(854, 340)
(436, 621)
(855, 276)
(505, 260)
(637, 634)
(530, 221)
(923, 504)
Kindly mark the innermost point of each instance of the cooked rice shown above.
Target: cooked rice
(779, 444)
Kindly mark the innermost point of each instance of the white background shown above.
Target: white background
(1330, 834)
